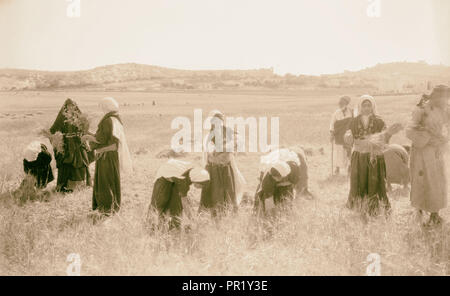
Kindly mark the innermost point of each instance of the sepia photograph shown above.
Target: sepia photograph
(224, 138)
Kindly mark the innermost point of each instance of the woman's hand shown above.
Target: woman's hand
(90, 138)
(394, 129)
(348, 138)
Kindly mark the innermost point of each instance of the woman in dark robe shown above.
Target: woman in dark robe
(368, 167)
(276, 187)
(112, 155)
(224, 191)
(38, 165)
(73, 162)
(172, 184)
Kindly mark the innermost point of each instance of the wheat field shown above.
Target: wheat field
(318, 237)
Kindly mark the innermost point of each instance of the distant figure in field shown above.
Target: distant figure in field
(369, 135)
(279, 175)
(397, 166)
(73, 161)
(429, 133)
(225, 189)
(173, 181)
(339, 125)
(37, 163)
(112, 156)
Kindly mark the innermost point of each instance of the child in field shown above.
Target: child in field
(173, 181)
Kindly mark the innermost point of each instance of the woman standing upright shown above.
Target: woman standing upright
(72, 162)
(226, 181)
(368, 168)
(428, 131)
(112, 155)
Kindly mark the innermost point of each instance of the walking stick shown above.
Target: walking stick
(332, 157)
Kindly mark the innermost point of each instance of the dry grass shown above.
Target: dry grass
(319, 237)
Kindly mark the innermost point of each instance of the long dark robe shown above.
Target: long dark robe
(106, 192)
(219, 194)
(40, 168)
(73, 164)
(166, 199)
(367, 174)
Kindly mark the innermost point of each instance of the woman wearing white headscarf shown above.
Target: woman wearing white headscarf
(279, 174)
(225, 188)
(173, 181)
(36, 163)
(112, 156)
(368, 167)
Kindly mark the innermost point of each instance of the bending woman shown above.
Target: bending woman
(173, 181)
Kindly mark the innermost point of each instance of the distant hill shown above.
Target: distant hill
(383, 78)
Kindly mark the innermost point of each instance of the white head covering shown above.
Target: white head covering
(32, 150)
(173, 168)
(369, 98)
(282, 167)
(301, 152)
(199, 175)
(216, 113)
(267, 161)
(111, 105)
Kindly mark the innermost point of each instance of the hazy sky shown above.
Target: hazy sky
(295, 36)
